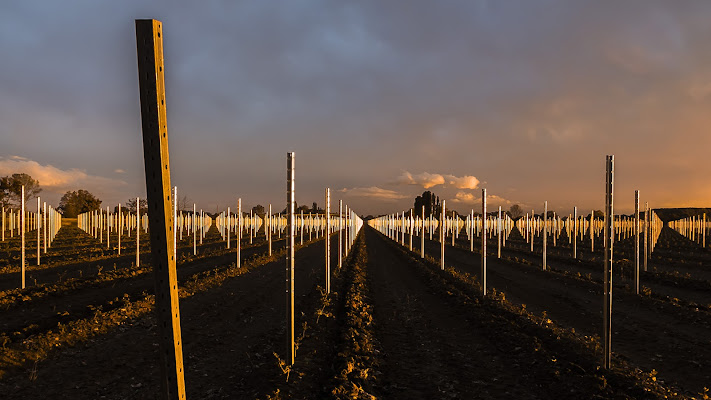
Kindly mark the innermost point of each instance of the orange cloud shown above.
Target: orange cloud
(373, 192)
(54, 179)
(428, 180)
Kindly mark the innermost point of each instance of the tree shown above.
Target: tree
(515, 211)
(258, 210)
(303, 208)
(11, 189)
(77, 202)
(143, 205)
(184, 203)
(430, 202)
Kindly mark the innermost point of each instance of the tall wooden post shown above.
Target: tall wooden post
(441, 234)
(607, 282)
(328, 240)
(636, 241)
(290, 350)
(157, 165)
(483, 242)
(545, 234)
(228, 226)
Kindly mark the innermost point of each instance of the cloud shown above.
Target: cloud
(492, 200)
(428, 180)
(373, 192)
(119, 171)
(464, 182)
(425, 179)
(57, 180)
(464, 198)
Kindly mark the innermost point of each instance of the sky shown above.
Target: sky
(379, 100)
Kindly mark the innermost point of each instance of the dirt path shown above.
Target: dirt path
(430, 352)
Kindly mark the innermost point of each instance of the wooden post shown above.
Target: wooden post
(290, 350)
(328, 240)
(483, 242)
(636, 241)
(228, 226)
(155, 152)
(607, 282)
(441, 234)
(22, 234)
(545, 234)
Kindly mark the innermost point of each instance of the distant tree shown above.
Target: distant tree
(143, 204)
(124, 209)
(515, 211)
(599, 214)
(184, 203)
(314, 207)
(77, 202)
(258, 210)
(430, 202)
(11, 188)
(303, 208)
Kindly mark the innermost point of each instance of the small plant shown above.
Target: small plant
(285, 369)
